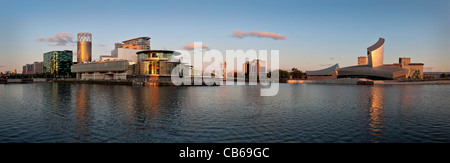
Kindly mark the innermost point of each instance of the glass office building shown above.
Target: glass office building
(58, 63)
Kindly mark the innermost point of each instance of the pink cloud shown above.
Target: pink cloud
(61, 39)
(241, 34)
(192, 46)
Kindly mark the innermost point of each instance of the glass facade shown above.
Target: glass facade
(156, 63)
(58, 63)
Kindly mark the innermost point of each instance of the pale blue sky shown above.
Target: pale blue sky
(318, 33)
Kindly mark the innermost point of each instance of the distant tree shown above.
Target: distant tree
(282, 74)
(296, 74)
(442, 75)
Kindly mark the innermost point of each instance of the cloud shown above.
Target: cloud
(241, 34)
(101, 45)
(61, 39)
(192, 46)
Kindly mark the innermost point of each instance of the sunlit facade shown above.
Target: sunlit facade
(104, 70)
(375, 53)
(127, 50)
(84, 48)
(156, 62)
(155, 66)
(362, 61)
(376, 69)
(140, 43)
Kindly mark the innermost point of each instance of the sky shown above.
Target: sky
(309, 35)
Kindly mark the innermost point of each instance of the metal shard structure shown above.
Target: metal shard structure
(375, 53)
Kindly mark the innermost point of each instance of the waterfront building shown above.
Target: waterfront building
(103, 70)
(35, 68)
(140, 43)
(327, 73)
(156, 65)
(58, 63)
(375, 69)
(127, 50)
(24, 69)
(224, 70)
(84, 47)
(375, 53)
(254, 67)
(415, 70)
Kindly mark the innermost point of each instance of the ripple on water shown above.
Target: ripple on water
(59, 112)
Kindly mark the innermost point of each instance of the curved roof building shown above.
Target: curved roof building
(327, 73)
(376, 73)
(375, 69)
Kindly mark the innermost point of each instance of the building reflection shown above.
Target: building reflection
(146, 114)
(82, 112)
(376, 113)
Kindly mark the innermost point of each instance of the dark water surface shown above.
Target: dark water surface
(60, 112)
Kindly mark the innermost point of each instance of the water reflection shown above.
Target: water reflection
(60, 112)
(376, 113)
(82, 112)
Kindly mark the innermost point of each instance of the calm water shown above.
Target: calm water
(57, 112)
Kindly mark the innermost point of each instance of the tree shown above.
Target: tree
(282, 74)
(296, 74)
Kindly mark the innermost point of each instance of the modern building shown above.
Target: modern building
(415, 70)
(58, 63)
(156, 62)
(140, 43)
(327, 73)
(103, 70)
(124, 54)
(375, 69)
(84, 47)
(34, 68)
(254, 67)
(375, 53)
(224, 70)
(127, 50)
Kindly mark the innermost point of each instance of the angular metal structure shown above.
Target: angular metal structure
(375, 53)
(84, 47)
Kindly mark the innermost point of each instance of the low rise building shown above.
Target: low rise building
(103, 70)
(327, 73)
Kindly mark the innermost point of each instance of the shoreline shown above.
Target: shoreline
(106, 82)
(340, 81)
(355, 81)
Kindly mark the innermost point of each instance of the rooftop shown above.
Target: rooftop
(377, 45)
